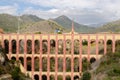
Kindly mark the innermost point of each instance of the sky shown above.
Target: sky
(83, 11)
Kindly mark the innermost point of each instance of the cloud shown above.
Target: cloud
(84, 11)
(9, 9)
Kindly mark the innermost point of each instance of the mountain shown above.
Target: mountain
(30, 18)
(113, 26)
(96, 25)
(46, 26)
(9, 23)
(66, 23)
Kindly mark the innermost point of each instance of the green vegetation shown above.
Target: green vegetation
(86, 76)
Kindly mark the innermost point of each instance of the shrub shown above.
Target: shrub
(86, 76)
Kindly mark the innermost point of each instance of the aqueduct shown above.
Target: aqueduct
(29, 55)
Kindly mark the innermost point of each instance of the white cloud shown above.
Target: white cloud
(84, 11)
(9, 9)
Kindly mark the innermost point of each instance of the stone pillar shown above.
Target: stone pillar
(40, 62)
(17, 46)
(25, 51)
(96, 46)
(56, 57)
(80, 54)
(88, 47)
(64, 57)
(72, 57)
(105, 45)
(48, 59)
(32, 56)
(113, 44)
(10, 47)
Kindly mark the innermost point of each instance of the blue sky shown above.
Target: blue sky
(83, 11)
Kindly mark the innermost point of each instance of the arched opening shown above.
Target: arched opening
(92, 60)
(68, 46)
(85, 64)
(76, 77)
(76, 64)
(109, 46)
(21, 60)
(52, 46)
(28, 63)
(13, 46)
(68, 64)
(44, 64)
(68, 78)
(37, 47)
(44, 77)
(84, 46)
(21, 46)
(117, 46)
(60, 46)
(101, 46)
(36, 77)
(52, 77)
(60, 64)
(59, 77)
(36, 63)
(92, 46)
(44, 46)
(29, 47)
(52, 64)
(6, 45)
(13, 58)
(76, 46)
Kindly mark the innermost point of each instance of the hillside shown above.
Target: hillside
(47, 26)
(110, 27)
(9, 23)
(66, 23)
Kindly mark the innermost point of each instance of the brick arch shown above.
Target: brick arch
(93, 46)
(21, 59)
(44, 46)
(68, 77)
(76, 64)
(36, 64)
(52, 64)
(109, 45)
(101, 46)
(13, 58)
(60, 46)
(37, 46)
(68, 46)
(59, 77)
(76, 46)
(36, 77)
(60, 64)
(44, 64)
(6, 46)
(29, 46)
(29, 63)
(44, 77)
(52, 77)
(117, 44)
(92, 60)
(21, 46)
(52, 46)
(14, 46)
(76, 77)
(84, 46)
(68, 64)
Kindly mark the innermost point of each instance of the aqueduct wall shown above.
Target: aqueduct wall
(56, 37)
